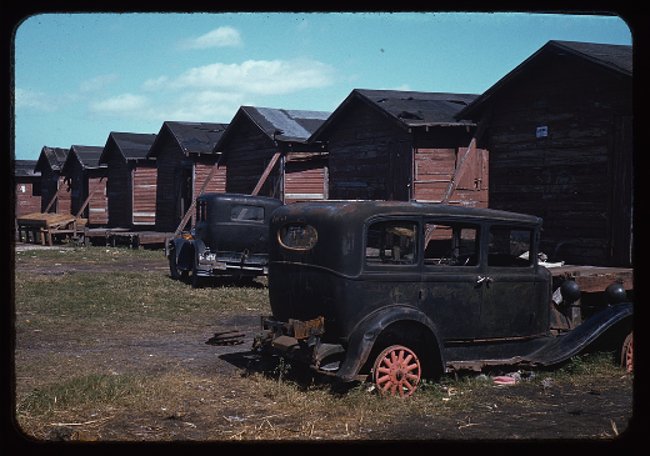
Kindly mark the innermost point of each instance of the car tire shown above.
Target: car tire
(173, 267)
(627, 354)
(397, 371)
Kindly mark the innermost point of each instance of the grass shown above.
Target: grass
(131, 293)
(279, 404)
(96, 389)
(89, 255)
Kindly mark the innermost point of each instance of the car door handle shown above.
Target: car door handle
(482, 279)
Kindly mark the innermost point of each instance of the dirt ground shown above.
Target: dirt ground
(601, 410)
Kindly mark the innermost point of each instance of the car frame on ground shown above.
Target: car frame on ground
(229, 239)
(399, 291)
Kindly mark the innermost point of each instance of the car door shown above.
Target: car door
(513, 303)
(449, 291)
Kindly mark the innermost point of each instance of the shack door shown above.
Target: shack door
(434, 169)
(144, 196)
(432, 172)
(98, 203)
(305, 179)
(184, 189)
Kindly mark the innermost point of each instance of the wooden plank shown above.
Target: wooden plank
(190, 210)
(86, 201)
(265, 174)
(595, 278)
(56, 195)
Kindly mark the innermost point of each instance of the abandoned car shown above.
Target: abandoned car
(229, 238)
(396, 292)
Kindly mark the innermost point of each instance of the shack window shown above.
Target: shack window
(298, 236)
(450, 244)
(509, 246)
(392, 242)
(246, 213)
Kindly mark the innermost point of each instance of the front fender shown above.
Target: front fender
(184, 251)
(578, 339)
(366, 333)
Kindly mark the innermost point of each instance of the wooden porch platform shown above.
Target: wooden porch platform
(123, 236)
(47, 227)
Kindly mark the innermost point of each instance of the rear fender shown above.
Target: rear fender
(589, 332)
(367, 332)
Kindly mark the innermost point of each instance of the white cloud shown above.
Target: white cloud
(213, 93)
(97, 83)
(191, 106)
(156, 84)
(203, 106)
(31, 99)
(220, 37)
(403, 87)
(268, 77)
(126, 103)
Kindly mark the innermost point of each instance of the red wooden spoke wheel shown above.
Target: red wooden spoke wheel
(397, 371)
(627, 354)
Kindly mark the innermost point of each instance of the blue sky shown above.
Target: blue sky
(80, 76)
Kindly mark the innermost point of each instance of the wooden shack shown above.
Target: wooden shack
(55, 192)
(87, 181)
(131, 186)
(404, 145)
(266, 152)
(559, 131)
(27, 188)
(186, 164)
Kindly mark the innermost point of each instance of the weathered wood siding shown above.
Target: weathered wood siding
(28, 195)
(202, 170)
(143, 192)
(203, 179)
(78, 188)
(118, 191)
(249, 152)
(434, 169)
(305, 178)
(579, 177)
(50, 183)
(362, 149)
(168, 163)
(371, 157)
(97, 210)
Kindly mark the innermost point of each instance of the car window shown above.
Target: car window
(509, 246)
(391, 242)
(247, 213)
(448, 244)
(202, 211)
(298, 236)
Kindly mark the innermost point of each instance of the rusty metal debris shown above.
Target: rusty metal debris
(232, 337)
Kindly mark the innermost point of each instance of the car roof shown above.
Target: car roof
(240, 198)
(361, 210)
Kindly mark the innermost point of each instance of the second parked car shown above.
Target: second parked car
(230, 238)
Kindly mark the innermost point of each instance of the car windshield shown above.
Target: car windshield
(247, 213)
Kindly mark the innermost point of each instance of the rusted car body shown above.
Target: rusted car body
(229, 239)
(399, 291)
